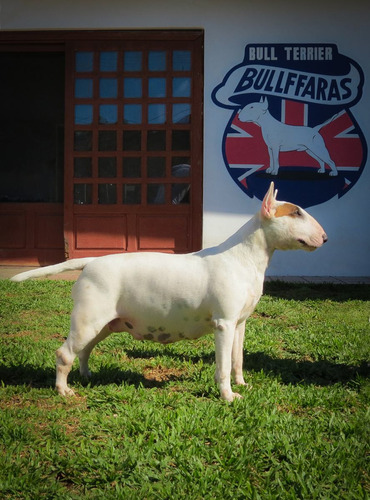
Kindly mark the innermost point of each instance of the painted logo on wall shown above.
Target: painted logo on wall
(291, 122)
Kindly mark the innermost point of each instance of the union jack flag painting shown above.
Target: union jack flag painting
(298, 129)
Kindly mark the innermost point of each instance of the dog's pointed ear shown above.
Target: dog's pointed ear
(268, 204)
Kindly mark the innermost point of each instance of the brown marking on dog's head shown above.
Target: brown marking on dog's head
(298, 230)
(286, 209)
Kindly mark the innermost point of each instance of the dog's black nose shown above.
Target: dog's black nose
(324, 238)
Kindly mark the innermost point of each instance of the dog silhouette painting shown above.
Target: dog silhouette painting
(279, 136)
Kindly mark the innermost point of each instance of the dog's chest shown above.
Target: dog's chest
(250, 304)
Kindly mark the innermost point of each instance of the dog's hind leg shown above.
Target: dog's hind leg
(325, 158)
(84, 355)
(329, 161)
(87, 329)
(319, 160)
(321, 154)
(64, 364)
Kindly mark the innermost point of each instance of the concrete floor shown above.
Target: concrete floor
(7, 272)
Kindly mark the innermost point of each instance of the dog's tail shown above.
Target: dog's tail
(69, 265)
(318, 127)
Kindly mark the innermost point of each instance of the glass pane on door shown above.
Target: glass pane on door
(157, 60)
(108, 61)
(84, 62)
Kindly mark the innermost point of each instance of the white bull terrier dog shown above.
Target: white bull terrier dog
(166, 298)
(281, 137)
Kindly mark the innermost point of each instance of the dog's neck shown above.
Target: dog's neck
(248, 244)
(266, 117)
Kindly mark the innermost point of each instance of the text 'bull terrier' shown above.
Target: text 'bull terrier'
(166, 298)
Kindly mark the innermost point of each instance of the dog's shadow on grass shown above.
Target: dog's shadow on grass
(38, 377)
(287, 371)
(291, 371)
(27, 375)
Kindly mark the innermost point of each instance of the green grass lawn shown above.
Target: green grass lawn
(150, 424)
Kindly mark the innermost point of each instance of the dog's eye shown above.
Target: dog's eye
(298, 213)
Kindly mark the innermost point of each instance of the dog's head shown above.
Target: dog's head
(288, 226)
(252, 112)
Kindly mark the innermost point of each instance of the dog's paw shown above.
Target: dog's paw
(236, 395)
(333, 173)
(65, 391)
(272, 171)
(243, 384)
(230, 396)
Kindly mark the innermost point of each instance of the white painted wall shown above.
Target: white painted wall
(229, 27)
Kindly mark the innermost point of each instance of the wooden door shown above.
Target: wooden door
(134, 144)
(31, 153)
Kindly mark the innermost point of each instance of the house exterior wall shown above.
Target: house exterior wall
(228, 28)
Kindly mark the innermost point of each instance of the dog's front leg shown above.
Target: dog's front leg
(237, 354)
(274, 161)
(224, 339)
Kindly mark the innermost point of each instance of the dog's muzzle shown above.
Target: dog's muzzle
(309, 247)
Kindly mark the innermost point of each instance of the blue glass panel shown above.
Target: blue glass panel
(108, 61)
(181, 60)
(181, 87)
(181, 113)
(84, 61)
(157, 87)
(157, 60)
(83, 87)
(132, 60)
(132, 114)
(83, 114)
(157, 113)
(108, 113)
(132, 87)
(108, 87)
